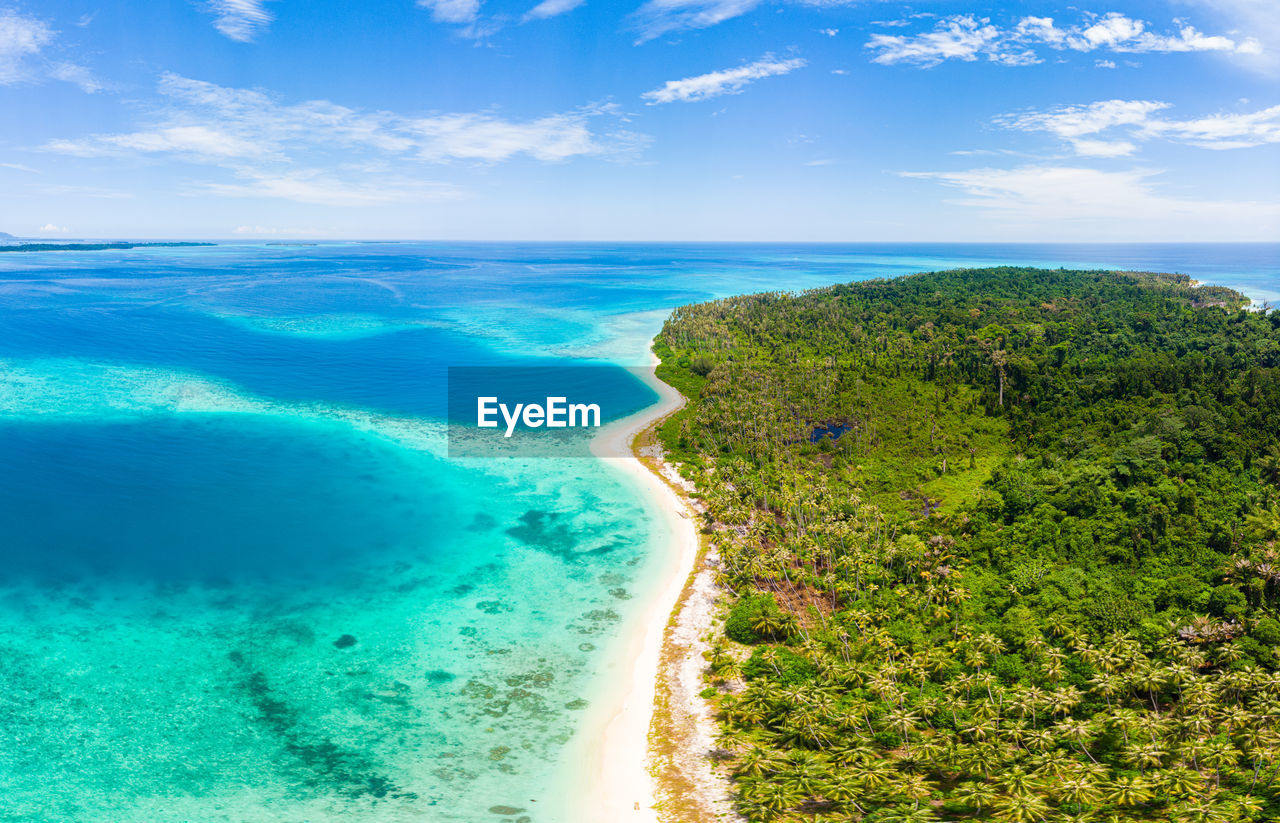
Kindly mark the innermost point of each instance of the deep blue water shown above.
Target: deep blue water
(218, 461)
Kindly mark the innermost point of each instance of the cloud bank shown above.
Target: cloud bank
(1113, 128)
(321, 152)
(967, 37)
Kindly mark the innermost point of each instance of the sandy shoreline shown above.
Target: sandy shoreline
(615, 765)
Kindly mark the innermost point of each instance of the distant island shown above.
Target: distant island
(994, 544)
(90, 246)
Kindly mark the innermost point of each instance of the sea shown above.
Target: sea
(240, 577)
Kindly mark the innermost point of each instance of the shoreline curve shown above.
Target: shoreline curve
(616, 784)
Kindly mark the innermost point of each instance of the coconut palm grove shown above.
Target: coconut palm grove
(997, 545)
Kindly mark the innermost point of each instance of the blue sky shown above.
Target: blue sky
(646, 119)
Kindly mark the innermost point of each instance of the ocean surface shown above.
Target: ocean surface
(242, 582)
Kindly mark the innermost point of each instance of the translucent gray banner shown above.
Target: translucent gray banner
(541, 411)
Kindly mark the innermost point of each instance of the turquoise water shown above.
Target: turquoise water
(241, 580)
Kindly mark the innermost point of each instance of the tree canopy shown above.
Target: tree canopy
(998, 543)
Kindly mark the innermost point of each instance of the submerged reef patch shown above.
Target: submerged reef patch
(325, 764)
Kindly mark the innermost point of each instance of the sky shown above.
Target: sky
(680, 120)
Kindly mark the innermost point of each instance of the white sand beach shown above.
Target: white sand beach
(615, 780)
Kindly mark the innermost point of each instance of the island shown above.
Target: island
(991, 544)
(95, 246)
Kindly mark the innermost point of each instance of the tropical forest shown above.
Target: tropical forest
(993, 544)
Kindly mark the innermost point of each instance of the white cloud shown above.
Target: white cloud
(20, 38)
(1078, 124)
(658, 17)
(1071, 201)
(321, 152)
(215, 123)
(465, 14)
(1136, 120)
(1119, 33)
(452, 11)
(1222, 131)
(23, 41)
(1259, 19)
(963, 37)
(49, 228)
(489, 139)
(240, 20)
(968, 38)
(716, 83)
(1104, 148)
(551, 8)
(1105, 64)
(829, 32)
(198, 141)
(77, 75)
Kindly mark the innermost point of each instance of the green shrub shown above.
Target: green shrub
(740, 625)
(787, 668)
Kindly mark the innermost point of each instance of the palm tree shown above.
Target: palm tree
(1078, 817)
(1208, 809)
(1079, 792)
(1062, 701)
(1264, 524)
(754, 762)
(805, 780)
(1144, 756)
(983, 758)
(1107, 685)
(769, 623)
(976, 794)
(1016, 781)
(1249, 806)
(1039, 740)
(907, 814)
(903, 722)
(841, 791)
(1125, 720)
(874, 775)
(1219, 755)
(1127, 791)
(772, 798)
(1077, 732)
(1150, 679)
(850, 750)
(913, 787)
(1021, 808)
(1180, 783)
(1055, 764)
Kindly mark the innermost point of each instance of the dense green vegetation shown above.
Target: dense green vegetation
(999, 545)
(92, 246)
